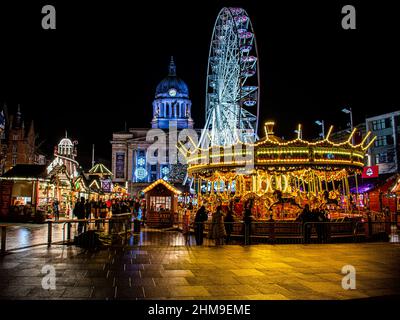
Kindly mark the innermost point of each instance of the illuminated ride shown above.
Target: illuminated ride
(281, 176)
(230, 165)
(232, 90)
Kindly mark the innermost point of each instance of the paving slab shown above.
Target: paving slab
(234, 272)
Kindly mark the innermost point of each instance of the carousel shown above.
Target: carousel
(279, 177)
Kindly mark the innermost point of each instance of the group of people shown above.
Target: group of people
(314, 217)
(220, 228)
(101, 209)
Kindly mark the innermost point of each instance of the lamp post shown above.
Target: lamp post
(350, 113)
(322, 124)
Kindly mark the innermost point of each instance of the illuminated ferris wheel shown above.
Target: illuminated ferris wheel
(232, 92)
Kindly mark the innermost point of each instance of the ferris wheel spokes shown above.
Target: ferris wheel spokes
(232, 87)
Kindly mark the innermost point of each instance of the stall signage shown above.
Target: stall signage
(370, 172)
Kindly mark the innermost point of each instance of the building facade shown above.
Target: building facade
(130, 164)
(18, 143)
(385, 151)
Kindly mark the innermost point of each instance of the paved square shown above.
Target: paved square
(276, 272)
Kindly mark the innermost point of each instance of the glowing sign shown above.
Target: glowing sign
(141, 162)
(140, 173)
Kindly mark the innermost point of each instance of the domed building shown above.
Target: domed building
(65, 152)
(172, 102)
(171, 106)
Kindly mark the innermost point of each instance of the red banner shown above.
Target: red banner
(370, 172)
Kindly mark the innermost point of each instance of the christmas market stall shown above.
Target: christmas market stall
(80, 188)
(99, 180)
(161, 203)
(62, 184)
(382, 196)
(25, 193)
(396, 192)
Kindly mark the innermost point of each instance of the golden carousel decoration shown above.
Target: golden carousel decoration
(279, 176)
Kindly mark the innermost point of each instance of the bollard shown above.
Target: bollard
(3, 239)
(49, 232)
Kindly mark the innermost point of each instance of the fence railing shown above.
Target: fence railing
(121, 224)
(128, 232)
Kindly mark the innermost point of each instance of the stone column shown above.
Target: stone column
(131, 160)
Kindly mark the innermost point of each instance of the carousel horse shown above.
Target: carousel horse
(330, 198)
(283, 200)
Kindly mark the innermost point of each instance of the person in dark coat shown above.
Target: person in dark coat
(88, 209)
(247, 219)
(116, 210)
(79, 212)
(136, 207)
(56, 209)
(218, 232)
(229, 220)
(306, 217)
(199, 219)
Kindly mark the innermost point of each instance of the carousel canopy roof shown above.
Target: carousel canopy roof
(100, 169)
(165, 183)
(27, 171)
(274, 154)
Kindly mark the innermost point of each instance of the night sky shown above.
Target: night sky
(101, 66)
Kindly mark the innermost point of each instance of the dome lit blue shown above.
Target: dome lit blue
(172, 82)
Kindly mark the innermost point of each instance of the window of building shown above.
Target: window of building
(160, 203)
(381, 158)
(14, 148)
(14, 160)
(378, 124)
(381, 141)
(15, 137)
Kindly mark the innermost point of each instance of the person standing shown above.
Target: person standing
(218, 228)
(56, 210)
(247, 219)
(136, 207)
(116, 211)
(306, 217)
(103, 213)
(79, 212)
(200, 218)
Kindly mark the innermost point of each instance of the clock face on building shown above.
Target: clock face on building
(172, 92)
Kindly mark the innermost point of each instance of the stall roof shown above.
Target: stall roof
(100, 169)
(26, 171)
(396, 187)
(386, 186)
(163, 182)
